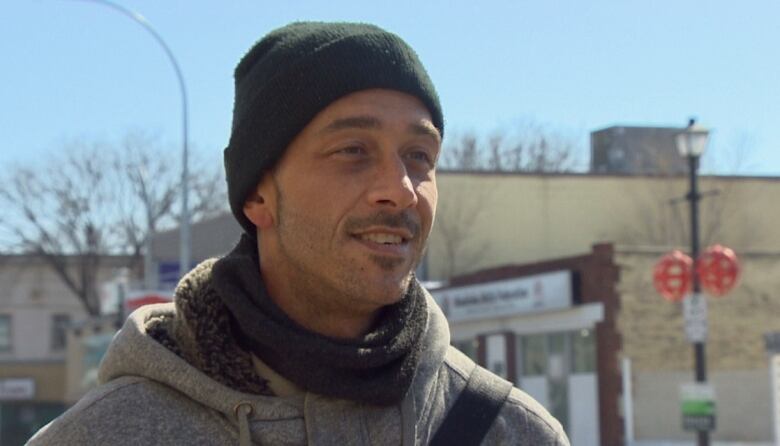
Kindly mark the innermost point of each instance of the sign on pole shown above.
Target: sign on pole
(695, 315)
(773, 348)
(774, 369)
(698, 406)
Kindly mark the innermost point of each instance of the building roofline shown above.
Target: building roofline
(118, 260)
(638, 127)
(659, 250)
(597, 175)
(175, 229)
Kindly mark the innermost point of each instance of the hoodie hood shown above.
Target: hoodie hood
(133, 352)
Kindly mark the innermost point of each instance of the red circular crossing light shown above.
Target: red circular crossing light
(718, 269)
(672, 275)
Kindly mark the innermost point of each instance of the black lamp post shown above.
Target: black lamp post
(691, 144)
(184, 228)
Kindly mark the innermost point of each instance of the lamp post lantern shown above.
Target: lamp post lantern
(691, 144)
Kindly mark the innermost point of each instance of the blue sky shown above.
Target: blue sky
(76, 69)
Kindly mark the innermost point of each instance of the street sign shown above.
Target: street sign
(139, 298)
(168, 274)
(695, 315)
(772, 341)
(774, 370)
(698, 406)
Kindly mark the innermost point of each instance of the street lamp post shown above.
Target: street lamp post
(691, 144)
(184, 228)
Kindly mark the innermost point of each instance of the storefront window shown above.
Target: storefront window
(534, 355)
(21, 419)
(557, 374)
(558, 394)
(583, 351)
(556, 356)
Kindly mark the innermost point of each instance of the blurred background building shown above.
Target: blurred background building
(37, 311)
(636, 151)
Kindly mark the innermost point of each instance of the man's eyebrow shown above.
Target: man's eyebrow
(352, 122)
(425, 130)
(370, 122)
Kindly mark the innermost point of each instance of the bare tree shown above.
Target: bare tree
(150, 186)
(97, 199)
(529, 148)
(147, 186)
(662, 210)
(455, 222)
(55, 212)
(735, 156)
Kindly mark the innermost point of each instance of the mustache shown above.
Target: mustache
(403, 220)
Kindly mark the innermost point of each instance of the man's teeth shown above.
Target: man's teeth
(387, 239)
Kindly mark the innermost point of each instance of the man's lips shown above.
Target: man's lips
(382, 226)
(385, 240)
(384, 235)
(382, 238)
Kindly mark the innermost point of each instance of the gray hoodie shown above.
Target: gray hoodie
(149, 395)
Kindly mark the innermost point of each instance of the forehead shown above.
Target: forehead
(375, 108)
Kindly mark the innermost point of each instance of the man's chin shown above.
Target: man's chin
(389, 264)
(389, 292)
(387, 282)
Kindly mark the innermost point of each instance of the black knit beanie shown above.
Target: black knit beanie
(294, 72)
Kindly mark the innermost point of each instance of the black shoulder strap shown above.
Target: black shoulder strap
(473, 413)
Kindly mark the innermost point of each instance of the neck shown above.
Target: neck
(313, 307)
(309, 312)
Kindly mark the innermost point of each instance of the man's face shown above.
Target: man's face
(351, 203)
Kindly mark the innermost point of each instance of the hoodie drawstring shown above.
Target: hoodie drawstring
(243, 410)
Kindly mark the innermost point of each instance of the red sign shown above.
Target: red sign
(141, 298)
(718, 270)
(672, 275)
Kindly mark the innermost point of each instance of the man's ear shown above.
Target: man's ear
(257, 207)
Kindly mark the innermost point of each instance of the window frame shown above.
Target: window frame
(10, 345)
(59, 343)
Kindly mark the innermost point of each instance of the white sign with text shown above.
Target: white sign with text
(532, 294)
(695, 315)
(17, 389)
(774, 370)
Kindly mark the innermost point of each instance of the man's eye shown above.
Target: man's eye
(352, 150)
(420, 155)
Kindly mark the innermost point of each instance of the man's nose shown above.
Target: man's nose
(392, 186)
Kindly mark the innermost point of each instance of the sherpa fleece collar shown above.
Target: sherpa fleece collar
(201, 333)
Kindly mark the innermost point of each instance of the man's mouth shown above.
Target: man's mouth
(382, 238)
(384, 228)
(386, 242)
